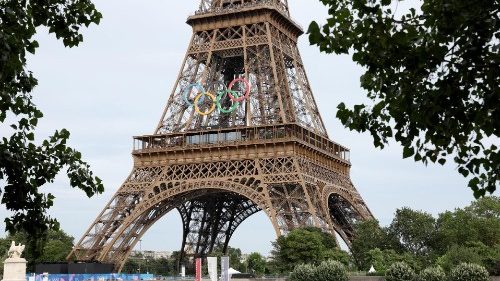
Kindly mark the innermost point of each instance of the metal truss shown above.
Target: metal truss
(271, 154)
(263, 52)
(210, 220)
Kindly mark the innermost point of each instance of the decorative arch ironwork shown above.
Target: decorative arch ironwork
(242, 200)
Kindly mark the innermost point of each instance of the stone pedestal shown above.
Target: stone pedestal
(14, 269)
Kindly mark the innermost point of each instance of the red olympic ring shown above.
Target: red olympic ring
(242, 97)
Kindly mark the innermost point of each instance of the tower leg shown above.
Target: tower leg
(209, 222)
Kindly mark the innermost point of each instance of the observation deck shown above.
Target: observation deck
(222, 139)
(211, 15)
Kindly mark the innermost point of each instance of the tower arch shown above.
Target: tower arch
(236, 202)
(344, 212)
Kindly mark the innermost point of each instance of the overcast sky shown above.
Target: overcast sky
(116, 84)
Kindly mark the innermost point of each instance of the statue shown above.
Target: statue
(14, 267)
(15, 251)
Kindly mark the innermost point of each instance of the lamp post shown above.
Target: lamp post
(140, 258)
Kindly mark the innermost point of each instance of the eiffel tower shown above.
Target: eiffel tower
(241, 133)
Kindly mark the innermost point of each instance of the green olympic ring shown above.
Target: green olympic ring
(234, 105)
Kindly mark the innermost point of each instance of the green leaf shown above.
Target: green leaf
(473, 183)
(33, 122)
(27, 166)
(38, 114)
(314, 33)
(463, 171)
(418, 85)
(408, 152)
(418, 157)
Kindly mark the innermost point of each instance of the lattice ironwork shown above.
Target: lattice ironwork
(271, 153)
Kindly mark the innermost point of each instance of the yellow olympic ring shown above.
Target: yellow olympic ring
(197, 108)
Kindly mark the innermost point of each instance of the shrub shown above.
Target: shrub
(376, 273)
(469, 272)
(330, 270)
(494, 268)
(400, 271)
(432, 274)
(303, 272)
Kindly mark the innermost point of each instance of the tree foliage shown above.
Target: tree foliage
(432, 75)
(298, 247)
(382, 260)
(471, 235)
(26, 164)
(54, 247)
(370, 245)
(476, 253)
(234, 255)
(414, 230)
(305, 246)
(256, 264)
(479, 222)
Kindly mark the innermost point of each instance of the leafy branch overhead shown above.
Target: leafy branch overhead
(433, 75)
(26, 165)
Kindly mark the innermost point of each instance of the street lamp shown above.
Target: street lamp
(140, 252)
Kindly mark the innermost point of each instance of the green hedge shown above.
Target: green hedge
(330, 270)
(326, 271)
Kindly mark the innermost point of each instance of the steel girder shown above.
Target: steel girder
(210, 221)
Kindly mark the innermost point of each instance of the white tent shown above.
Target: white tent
(372, 270)
(233, 271)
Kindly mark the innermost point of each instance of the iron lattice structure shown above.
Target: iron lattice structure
(270, 153)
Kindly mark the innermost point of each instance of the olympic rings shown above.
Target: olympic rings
(222, 93)
(197, 99)
(187, 91)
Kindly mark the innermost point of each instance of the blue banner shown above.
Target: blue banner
(92, 277)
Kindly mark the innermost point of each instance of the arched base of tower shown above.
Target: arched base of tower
(216, 192)
(209, 221)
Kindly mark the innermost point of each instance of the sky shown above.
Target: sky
(116, 84)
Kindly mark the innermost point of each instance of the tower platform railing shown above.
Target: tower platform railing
(224, 137)
(277, 5)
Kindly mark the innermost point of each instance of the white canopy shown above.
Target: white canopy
(233, 271)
